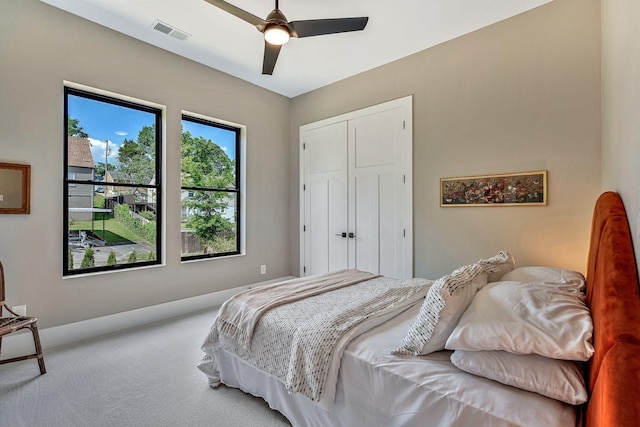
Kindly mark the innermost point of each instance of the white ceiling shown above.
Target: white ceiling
(396, 28)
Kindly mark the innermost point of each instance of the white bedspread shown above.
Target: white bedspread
(378, 389)
(301, 342)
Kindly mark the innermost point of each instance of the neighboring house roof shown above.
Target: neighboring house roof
(79, 150)
(111, 176)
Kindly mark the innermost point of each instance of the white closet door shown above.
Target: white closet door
(325, 198)
(376, 188)
(356, 172)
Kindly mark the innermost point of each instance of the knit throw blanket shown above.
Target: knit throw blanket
(298, 340)
(238, 316)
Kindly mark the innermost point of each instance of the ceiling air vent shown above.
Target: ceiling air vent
(169, 30)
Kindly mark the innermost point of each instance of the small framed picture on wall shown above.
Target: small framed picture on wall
(15, 182)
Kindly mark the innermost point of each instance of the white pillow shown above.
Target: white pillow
(525, 318)
(546, 275)
(498, 265)
(558, 379)
(447, 299)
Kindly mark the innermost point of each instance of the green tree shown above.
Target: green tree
(151, 256)
(133, 257)
(74, 128)
(112, 258)
(88, 260)
(147, 140)
(206, 165)
(136, 159)
(99, 168)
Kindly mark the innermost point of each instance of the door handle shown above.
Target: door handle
(352, 235)
(342, 235)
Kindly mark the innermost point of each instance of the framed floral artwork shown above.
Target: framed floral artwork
(510, 189)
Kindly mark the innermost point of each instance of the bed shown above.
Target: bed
(351, 349)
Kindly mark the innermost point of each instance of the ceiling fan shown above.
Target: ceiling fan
(277, 30)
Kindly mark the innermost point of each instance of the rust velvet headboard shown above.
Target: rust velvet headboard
(613, 373)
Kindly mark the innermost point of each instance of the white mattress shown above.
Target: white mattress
(376, 388)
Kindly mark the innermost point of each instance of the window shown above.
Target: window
(210, 191)
(112, 178)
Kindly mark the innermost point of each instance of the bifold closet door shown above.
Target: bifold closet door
(356, 201)
(325, 198)
(375, 201)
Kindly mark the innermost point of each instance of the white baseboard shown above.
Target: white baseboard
(22, 343)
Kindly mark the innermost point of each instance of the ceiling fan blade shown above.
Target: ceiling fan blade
(236, 11)
(271, 52)
(318, 27)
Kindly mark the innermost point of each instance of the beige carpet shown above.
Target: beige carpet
(145, 376)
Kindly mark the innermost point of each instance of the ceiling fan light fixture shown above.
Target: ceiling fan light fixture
(277, 34)
(277, 29)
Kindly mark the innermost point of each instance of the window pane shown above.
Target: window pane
(111, 191)
(109, 231)
(210, 184)
(208, 156)
(209, 224)
(120, 137)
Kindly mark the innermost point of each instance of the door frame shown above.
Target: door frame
(405, 103)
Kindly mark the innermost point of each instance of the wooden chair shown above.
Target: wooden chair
(14, 323)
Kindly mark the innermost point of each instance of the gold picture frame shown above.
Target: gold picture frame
(509, 189)
(15, 188)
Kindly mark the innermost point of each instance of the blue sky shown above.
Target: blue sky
(103, 121)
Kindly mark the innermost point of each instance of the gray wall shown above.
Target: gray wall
(520, 95)
(621, 106)
(40, 46)
(523, 94)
